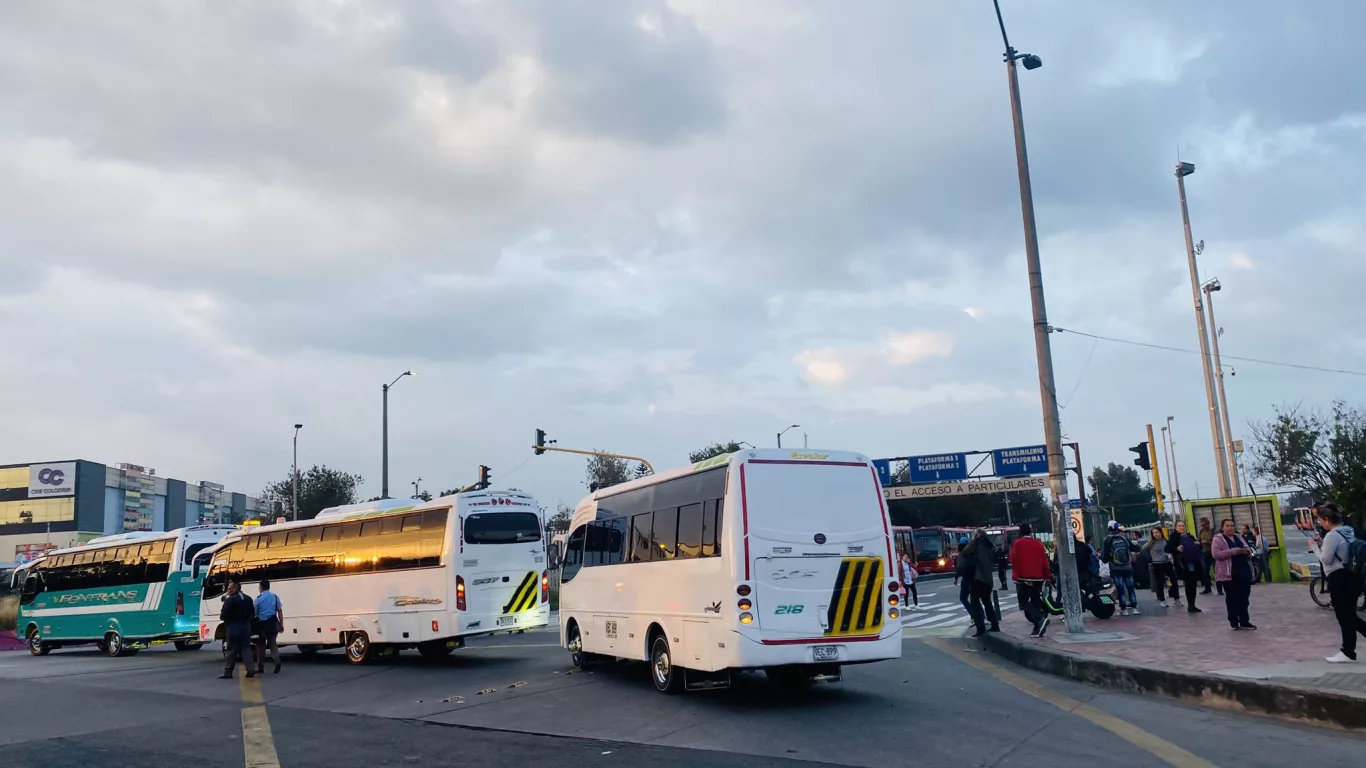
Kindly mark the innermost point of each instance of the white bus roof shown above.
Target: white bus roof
(134, 537)
(729, 460)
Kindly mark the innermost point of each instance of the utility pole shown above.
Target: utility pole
(1216, 432)
(1176, 472)
(1167, 459)
(1157, 474)
(384, 475)
(295, 478)
(780, 434)
(1052, 428)
(1232, 458)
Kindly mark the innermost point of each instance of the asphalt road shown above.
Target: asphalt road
(511, 700)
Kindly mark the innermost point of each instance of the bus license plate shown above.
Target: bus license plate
(825, 653)
(506, 621)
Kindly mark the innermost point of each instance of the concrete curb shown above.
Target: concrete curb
(1235, 694)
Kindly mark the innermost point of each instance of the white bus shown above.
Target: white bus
(120, 592)
(395, 574)
(761, 559)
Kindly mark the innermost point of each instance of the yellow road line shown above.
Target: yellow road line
(1155, 745)
(257, 742)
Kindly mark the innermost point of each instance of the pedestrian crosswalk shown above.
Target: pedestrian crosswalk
(937, 612)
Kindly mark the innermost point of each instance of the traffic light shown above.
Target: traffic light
(540, 441)
(483, 477)
(1142, 450)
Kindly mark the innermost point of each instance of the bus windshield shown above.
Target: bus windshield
(928, 544)
(502, 528)
(193, 549)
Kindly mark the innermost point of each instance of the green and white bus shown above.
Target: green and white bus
(121, 592)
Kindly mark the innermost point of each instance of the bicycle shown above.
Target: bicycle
(1318, 590)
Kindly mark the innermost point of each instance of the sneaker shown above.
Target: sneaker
(995, 628)
(1162, 604)
(1193, 609)
(1340, 658)
(1123, 611)
(1247, 625)
(1133, 611)
(1043, 625)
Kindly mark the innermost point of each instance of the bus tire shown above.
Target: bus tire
(434, 649)
(113, 645)
(188, 645)
(36, 646)
(666, 677)
(573, 640)
(359, 649)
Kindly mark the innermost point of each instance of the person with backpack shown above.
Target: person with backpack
(1343, 558)
(1233, 571)
(1119, 553)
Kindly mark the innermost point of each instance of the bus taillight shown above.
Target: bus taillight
(459, 593)
(545, 586)
(180, 603)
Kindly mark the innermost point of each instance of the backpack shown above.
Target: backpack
(1120, 554)
(1356, 557)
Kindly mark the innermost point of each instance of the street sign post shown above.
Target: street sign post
(938, 468)
(1016, 462)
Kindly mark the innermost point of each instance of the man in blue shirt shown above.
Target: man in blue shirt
(270, 618)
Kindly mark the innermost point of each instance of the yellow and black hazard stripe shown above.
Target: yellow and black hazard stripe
(524, 599)
(856, 602)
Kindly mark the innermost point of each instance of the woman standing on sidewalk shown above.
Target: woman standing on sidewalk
(1187, 556)
(1343, 586)
(1233, 572)
(1162, 571)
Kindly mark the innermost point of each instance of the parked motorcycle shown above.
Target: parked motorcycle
(1097, 596)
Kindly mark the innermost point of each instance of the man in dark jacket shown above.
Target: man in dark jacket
(236, 615)
(962, 576)
(981, 555)
(1031, 570)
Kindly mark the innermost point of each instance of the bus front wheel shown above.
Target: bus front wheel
(574, 642)
(359, 649)
(36, 646)
(188, 645)
(666, 677)
(114, 647)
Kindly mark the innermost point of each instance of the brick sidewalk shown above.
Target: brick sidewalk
(1292, 638)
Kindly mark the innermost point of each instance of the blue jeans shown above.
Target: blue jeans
(1124, 585)
(965, 597)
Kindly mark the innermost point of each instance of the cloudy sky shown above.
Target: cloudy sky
(646, 225)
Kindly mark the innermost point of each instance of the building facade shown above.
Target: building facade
(63, 503)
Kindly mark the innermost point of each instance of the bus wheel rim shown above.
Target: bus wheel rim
(35, 640)
(662, 666)
(575, 643)
(357, 646)
(114, 642)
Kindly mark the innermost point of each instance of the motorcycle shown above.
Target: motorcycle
(1097, 596)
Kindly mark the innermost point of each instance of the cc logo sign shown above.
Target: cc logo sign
(51, 476)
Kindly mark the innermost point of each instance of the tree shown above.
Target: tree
(605, 471)
(425, 496)
(713, 450)
(1322, 454)
(641, 471)
(1119, 487)
(319, 488)
(559, 522)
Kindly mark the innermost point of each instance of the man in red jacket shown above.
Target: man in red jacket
(1030, 569)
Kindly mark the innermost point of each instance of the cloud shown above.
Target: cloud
(1241, 261)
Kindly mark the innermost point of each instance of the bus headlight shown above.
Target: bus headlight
(941, 562)
(746, 618)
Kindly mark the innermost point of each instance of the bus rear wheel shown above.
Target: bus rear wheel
(359, 649)
(36, 646)
(188, 645)
(114, 646)
(666, 677)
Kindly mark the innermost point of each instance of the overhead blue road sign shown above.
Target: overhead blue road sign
(1016, 462)
(1076, 503)
(884, 471)
(939, 468)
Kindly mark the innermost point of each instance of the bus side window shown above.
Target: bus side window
(711, 528)
(573, 555)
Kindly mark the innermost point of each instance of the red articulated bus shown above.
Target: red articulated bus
(936, 546)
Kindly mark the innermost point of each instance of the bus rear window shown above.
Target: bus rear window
(193, 549)
(502, 528)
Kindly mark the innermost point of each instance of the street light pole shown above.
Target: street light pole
(297, 427)
(1176, 473)
(1052, 428)
(1182, 171)
(1232, 458)
(780, 434)
(384, 474)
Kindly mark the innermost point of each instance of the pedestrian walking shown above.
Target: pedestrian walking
(1118, 552)
(1161, 568)
(981, 556)
(1233, 572)
(1206, 537)
(237, 614)
(1030, 568)
(1263, 550)
(270, 617)
(1344, 586)
(908, 574)
(962, 576)
(1002, 560)
(1188, 559)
